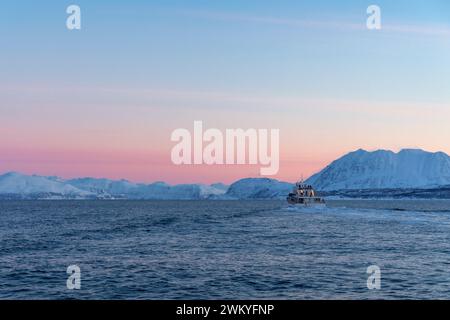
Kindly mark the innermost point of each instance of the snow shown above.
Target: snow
(259, 188)
(16, 183)
(358, 170)
(53, 187)
(157, 190)
(409, 168)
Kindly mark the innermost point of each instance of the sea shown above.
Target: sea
(352, 249)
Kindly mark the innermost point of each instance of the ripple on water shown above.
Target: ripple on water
(224, 249)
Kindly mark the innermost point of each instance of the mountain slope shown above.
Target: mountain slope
(359, 170)
(259, 188)
(19, 186)
(157, 190)
(16, 183)
(409, 168)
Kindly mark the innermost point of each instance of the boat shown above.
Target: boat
(304, 194)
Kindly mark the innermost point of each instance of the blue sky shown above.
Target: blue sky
(230, 45)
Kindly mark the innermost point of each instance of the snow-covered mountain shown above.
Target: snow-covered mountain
(409, 168)
(359, 170)
(157, 190)
(19, 186)
(259, 188)
(34, 186)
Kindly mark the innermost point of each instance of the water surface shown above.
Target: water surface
(224, 249)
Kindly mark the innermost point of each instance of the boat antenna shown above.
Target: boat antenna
(301, 179)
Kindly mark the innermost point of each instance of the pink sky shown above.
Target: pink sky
(140, 166)
(126, 134)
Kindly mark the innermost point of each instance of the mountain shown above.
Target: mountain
(157, 190)
(259, 188)
(19, 186)
(382, 169)
(412, 172)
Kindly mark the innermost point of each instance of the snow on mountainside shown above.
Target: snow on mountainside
(113, 188)
(18, 186)
(359, 170)
(409, 168)
(157, 190)
(16, 183)
(259, 188)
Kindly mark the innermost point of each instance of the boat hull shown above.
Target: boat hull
(306, 201)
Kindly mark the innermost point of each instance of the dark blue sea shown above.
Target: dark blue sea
(224, 249)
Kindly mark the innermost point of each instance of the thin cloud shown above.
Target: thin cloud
(146, 98)
(427, 30)
(298, 23)
(443, 31)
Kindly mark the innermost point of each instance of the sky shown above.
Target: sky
(102, 101)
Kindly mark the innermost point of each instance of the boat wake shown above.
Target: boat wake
(309, 209)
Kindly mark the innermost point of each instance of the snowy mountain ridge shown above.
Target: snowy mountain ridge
(19, 186)
(383, 169)
(358, 170)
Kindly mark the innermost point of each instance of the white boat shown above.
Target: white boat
(305, 195)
